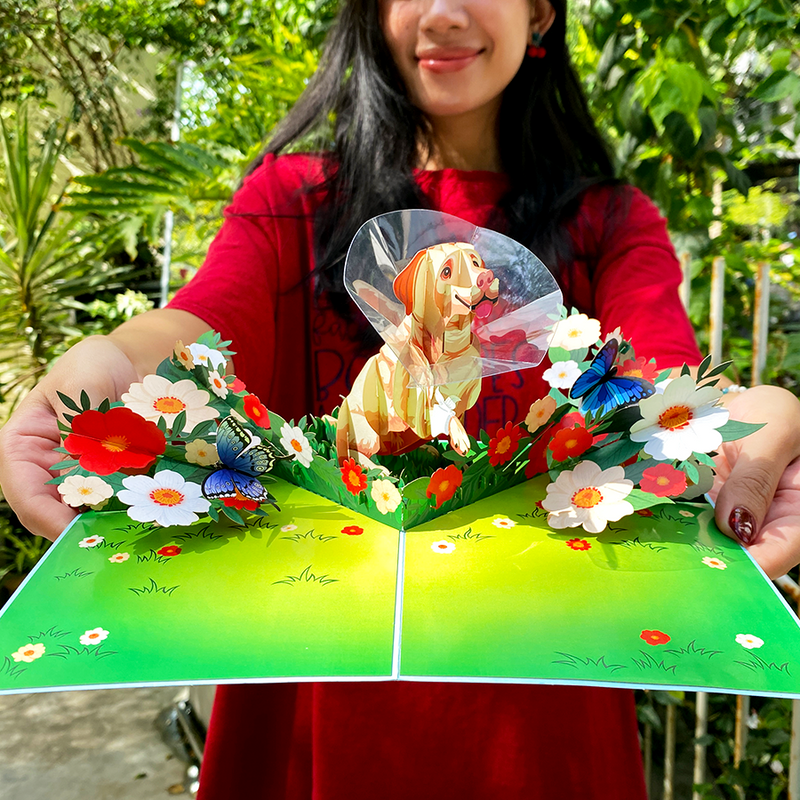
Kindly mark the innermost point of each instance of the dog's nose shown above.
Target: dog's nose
(485, 279)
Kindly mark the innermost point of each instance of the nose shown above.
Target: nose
(485, 279)
(441, 16)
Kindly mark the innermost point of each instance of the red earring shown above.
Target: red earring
(535, 49)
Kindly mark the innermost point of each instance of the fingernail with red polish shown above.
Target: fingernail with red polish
(743, 524)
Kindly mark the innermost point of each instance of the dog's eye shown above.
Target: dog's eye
(446, 273)
(475, 262)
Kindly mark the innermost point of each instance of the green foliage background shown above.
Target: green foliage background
(698, 99)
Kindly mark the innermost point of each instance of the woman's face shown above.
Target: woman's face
(457, 56)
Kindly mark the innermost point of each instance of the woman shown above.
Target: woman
(471, 107)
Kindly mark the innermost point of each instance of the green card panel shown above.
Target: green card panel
(654, 600)
(311, 592)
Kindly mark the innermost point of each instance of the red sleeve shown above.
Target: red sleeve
(635, 278)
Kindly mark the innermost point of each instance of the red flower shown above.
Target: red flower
(570, 443)
(241, 503)
(256, 410)
(578, 544)
(504, 444)
(645, 512)
(654, 637)
(641, 368)
(117, 439)
(354, 478)
(537, 462)
(353, 530)
(169, 551)
(663, 480)
(443, 484)
(237, 386)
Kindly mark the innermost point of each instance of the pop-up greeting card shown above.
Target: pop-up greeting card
(222, 543)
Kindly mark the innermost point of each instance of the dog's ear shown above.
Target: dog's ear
(404, 283)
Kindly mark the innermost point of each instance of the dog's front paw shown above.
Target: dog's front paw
(459, 440)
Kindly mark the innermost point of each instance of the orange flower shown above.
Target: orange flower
(443, 484)
(256, 410)
(578, 544)
(504, 444)
(663, 480)
(353, 530)
(570, 443)
(169, 551)
(654, 637)
(237, 386)
(640, 368)
(353, 477)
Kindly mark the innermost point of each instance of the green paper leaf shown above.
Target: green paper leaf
(614, 454)
(104, 406)
(416, 490)
(639, 499)
(691, 471)
(68, 402)
(733, 429)
(86, 402)
(178, 424)
(232, 514)
(705, 458)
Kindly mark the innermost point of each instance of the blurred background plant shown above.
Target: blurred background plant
(123, 118)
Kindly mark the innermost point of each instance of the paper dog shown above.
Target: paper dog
(420, 387)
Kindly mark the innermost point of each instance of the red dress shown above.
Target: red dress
(387, 741)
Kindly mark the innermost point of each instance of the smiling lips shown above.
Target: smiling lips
(482, 308)
(447, 59)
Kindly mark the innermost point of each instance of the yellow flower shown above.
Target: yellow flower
(184, 355)
(202, 453)
(385, 495)
(539, 413)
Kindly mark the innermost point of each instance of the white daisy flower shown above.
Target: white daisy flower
(715, 563)
(288, 528)
(156, 398)
(504, 522)
(295, 444)
(681, 421)
(385, 495)
(575, 332)
(118, 558)
(212, 359)
(588, 496)
(201, 452)
(166, 499)
(90, 541)
(443, 546)
(94, 636)
(28, 653)
(80, 490)
(217, 384)
(748, 641)
(562, 374)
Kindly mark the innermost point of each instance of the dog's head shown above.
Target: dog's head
(446, 281)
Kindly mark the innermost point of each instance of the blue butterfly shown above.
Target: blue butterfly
(244, 457)
(600, 388)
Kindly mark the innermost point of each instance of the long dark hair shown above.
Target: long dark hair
(549, 145)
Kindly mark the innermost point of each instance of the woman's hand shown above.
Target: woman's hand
(757, 489)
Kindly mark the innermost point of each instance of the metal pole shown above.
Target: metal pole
(685, 290)
(669, 753)
(717, 306)
(700, 730)
(169, 218)
(740, 735)
(760, 323)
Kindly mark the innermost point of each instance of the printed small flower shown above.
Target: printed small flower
(504, 522)
(539, 413)
(241, 503)
(217, 384)
(443, 484)
(639, 368)
(575, 332)
(94, 636)
(237, 386)
(90, 541)
(353, 477)
(352, 530)
(504, 444)
(570, 443)
(295, 444)
(158, 398)
(715, 563)
(663, 480)
(578, 544)
(81, 490)
(212, 359)
(166, 499)
(562, 374)
(256, 411)
(117, 439)
(655, 637)
(288, 528)
(385, 495)
(588, 496)
(29, 652)
(645, 512)
(443, 546)
(201, 452)
(119, 558)
(184, 355)
(748, 641)
(682, 420)
(170, 551)
(684, 513)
